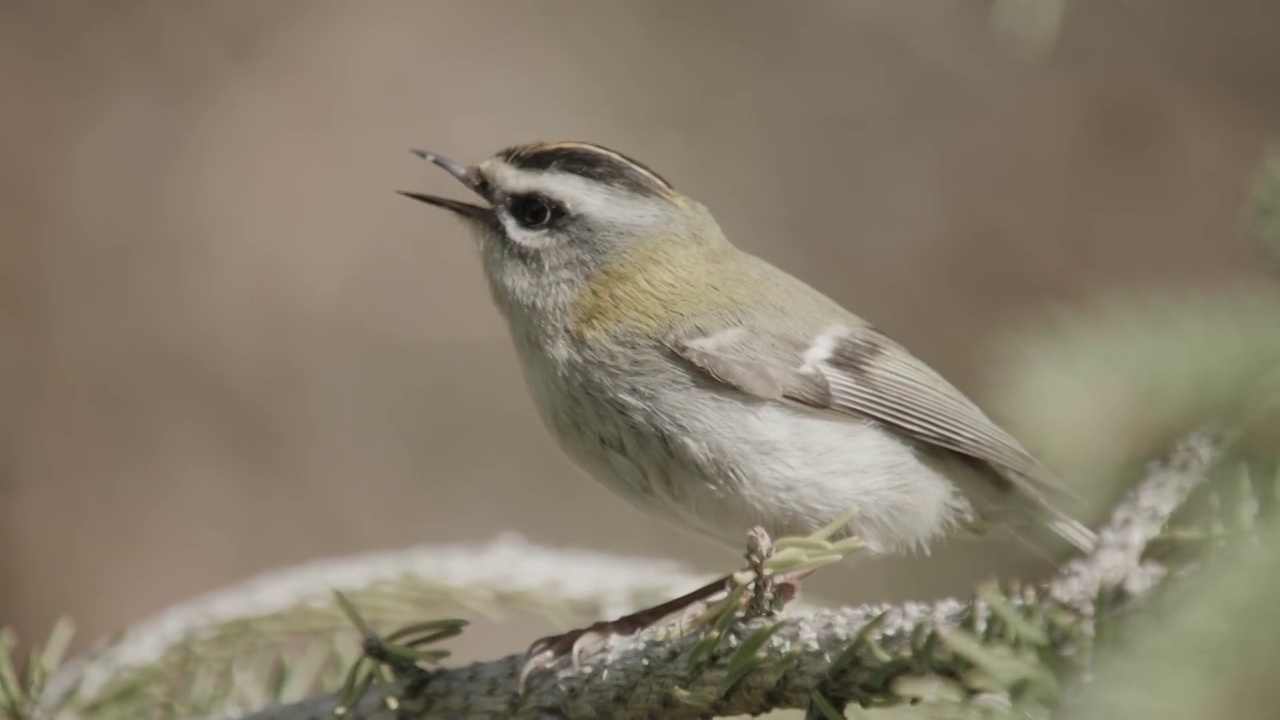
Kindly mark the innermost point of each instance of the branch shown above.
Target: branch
(508, 573)
(876, 646)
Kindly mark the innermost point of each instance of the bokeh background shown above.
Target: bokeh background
(227, 346)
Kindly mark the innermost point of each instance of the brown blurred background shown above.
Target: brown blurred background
(226, 345)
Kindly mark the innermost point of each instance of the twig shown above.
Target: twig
(636, 676)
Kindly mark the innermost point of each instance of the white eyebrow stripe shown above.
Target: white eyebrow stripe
(579, 195)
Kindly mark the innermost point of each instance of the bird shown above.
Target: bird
(711, 389)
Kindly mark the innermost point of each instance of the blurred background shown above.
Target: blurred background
(227, 346)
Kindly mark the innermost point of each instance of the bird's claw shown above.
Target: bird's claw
(544, 652)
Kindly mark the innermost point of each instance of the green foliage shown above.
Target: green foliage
(1012, 650)
(1264, 203)
(22, 685)
(1208, 651)
(1101, 389)
(385, 659)
(228, 668)
(788, 556)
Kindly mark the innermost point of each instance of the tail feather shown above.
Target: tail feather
(1074, 532)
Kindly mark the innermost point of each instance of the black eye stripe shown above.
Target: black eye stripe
(534, 211)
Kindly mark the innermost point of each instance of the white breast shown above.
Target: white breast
(720, 463)
(793, 470)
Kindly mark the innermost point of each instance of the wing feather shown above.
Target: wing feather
(857, 370)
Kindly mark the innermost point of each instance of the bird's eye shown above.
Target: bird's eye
(533, 211)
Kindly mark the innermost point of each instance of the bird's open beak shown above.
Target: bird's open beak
(463, 174)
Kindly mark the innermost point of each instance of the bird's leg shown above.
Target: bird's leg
(549, 649)
(768, 594)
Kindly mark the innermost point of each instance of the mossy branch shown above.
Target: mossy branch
(874, 654)
(281, 637)
(1007, 640)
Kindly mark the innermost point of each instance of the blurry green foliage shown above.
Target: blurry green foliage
(1028, 28)
(1211, 650)
(1102, 388)
(1264, 202)
(22, 682)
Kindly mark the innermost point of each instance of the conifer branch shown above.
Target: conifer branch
(1001, 641)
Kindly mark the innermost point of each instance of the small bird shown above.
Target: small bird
(710, 388)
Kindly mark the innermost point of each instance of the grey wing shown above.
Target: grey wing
(857, 370)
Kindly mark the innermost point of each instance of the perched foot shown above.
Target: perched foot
(767, 594)
(787, 587)
(547, 650)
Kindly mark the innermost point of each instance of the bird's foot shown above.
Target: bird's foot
(546, 651)
(761, 592)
